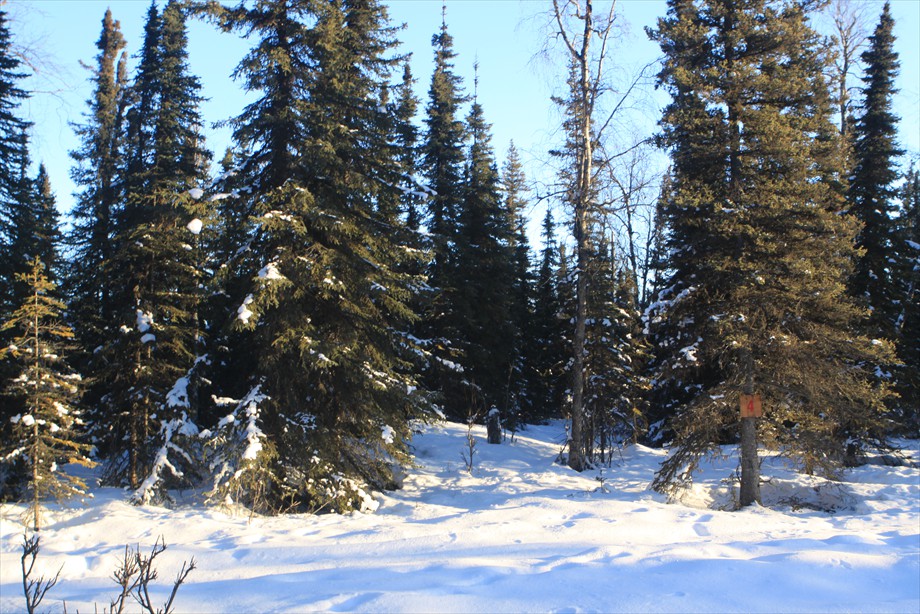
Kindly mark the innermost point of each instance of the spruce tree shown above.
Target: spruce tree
(484, 279)
(872, 192)
(13, 150)
(23, 223)
(97, 175)
(47, 236)
(907, 322)
(407, 142)
(546, 355)
(615, 352)
(756, 300)
(331, 397)
(46, 434)
(150, 368)
(523, 375)
(443, 159)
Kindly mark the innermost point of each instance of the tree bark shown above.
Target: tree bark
(750, 464)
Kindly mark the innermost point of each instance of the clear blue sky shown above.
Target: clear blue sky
(505, 36)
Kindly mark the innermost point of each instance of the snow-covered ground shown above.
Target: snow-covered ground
(521, 534)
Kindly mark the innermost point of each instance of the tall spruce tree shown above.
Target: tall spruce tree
(47, 235)
(756, 299)
(872, 192)
(406, 135)
(545, 354)
(22, 228)
(13, 150)
(443, 159)
(46, 435)
(484, 278)
(151, 365)
(331, 399)
(523, 375)
(907, 323)
(35, 232)
(97, 175)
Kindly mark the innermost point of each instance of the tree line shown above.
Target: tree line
(274, 326)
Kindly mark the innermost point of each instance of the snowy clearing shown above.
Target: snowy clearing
(522, 534)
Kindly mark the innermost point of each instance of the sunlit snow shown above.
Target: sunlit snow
(522, 533)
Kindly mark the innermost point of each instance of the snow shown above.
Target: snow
(196, 193)
(520, 534)
(144, 321)
(178, 396)
(270, 271)
(195, 226)
(243, 313)
(387, 433)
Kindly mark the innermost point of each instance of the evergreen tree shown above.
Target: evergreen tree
(546, 338)
(523, 376)
(47, 236)
(907, 322)
(330, 401)
(150, 368)
(143, 96)
(484, 280)
(442, 150)
(443, 159)
(97, 174)
(13, 150)
(407, 143)
(759, 254)
(872, 192)
(45, 435)
(35, 232)
(22, 230)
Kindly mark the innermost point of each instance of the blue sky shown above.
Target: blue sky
(506, 37)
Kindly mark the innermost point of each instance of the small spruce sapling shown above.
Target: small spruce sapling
(45, 434)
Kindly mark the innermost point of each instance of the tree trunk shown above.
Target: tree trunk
(584, 157)
(750, 465)
(494, 426)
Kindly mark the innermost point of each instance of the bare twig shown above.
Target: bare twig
(34, 590)
(126, 578)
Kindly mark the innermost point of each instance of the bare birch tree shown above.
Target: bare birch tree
(586, 37)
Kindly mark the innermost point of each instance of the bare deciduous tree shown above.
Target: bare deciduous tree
(851, 27)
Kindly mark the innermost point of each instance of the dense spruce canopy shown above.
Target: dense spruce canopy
(484, 277)
(760, 254)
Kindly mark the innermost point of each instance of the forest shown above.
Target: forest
(272, 323)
